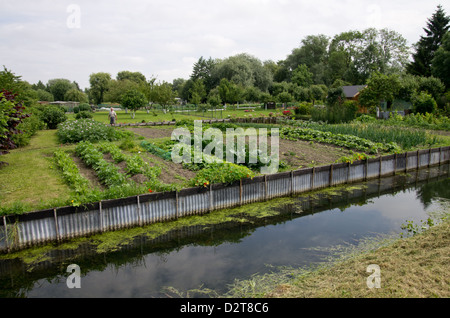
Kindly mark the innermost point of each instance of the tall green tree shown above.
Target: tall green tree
(313, 52)
(99, 86)
(13, 83)
(164, 95)
(302, 76)
(136, 77)
(380, 87)
(244, 70)
(425, 49)
(198, 92)
(440, 66)
(76, 95)
(133, 100)
(203, 70)
(59, 87)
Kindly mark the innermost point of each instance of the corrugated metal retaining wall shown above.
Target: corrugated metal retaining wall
(21, 231)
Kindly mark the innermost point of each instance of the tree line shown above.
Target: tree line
(309, 73)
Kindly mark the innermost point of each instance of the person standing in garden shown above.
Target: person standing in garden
(112, 117)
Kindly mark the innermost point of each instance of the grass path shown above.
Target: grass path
(30, 175)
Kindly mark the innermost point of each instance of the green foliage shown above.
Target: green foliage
(133, 100)
(108, 173)
(70, 171)
(99, 86)
(353, 157)
(441, 61)
(424, 103)
(349, 141)
(28, 127)
(302, 76)
(303, 109)
(376, 132)
(83, 115)
(58, 87)
(85, 130)
(335, 114)
(52, 116)
(221, 173)
(425, 121)
(11, 115)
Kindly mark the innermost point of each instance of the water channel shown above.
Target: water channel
(213, 250)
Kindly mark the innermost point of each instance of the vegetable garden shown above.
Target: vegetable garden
(126, 161)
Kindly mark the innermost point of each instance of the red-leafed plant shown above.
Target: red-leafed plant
(11, 115)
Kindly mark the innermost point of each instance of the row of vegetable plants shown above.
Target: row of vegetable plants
(375, 131)
(341, 140)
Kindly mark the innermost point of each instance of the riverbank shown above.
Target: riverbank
(409, 267)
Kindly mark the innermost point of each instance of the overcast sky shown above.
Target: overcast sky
(45, 39)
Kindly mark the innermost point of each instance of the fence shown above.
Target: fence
(260, 120)
(21, 231)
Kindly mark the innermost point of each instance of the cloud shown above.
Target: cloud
(164, 38)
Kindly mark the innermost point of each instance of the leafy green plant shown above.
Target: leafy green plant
(52, 116)
(70, 172)
(108, 173)
(349, 141)
(221, 173)
(85, 130)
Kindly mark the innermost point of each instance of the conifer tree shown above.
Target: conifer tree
(437, 27)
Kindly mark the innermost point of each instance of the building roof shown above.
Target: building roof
(352, 91)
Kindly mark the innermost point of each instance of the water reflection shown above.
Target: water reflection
(214, 255)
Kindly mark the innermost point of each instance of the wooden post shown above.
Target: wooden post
(139, 211)
(429, 157)
(177, 206)
(330, 181)
(348, 172)
(367, 169)
(240, 192)
(100, 216)
(265, 187)
(58, 238)
(395, 164)
(312, 178)
(6, 233)
(292, 182)
(210, 198)
(406, 162)
(380, 171)
(418, 160)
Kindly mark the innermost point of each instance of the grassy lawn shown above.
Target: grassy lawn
(123, 117)
(416, 267)
(30, 176)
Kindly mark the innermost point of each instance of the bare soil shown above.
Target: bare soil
(296, 154)
(88, 173)
(153, 132)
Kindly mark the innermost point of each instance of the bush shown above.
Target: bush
(221, 173)
(28, 128)
(335, 114)
(303, 109)
(83, 107)
(424, 103)
(52, 116)
(83, 114)
(85, 130)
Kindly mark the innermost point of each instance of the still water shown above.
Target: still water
(295, 231)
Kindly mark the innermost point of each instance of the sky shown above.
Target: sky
(47, 39)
